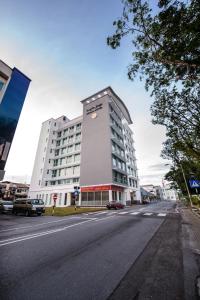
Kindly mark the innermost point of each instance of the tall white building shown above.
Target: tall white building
(94, 152)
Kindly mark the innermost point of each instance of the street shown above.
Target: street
(102, 255)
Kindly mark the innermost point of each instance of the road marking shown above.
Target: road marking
(97, 220)
(135, 213)
(147, 214)
(100, 213)
(161, 215)
(123, 213)
(32, 236)
(40, 224)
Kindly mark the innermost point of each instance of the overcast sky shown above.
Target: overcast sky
(61, 46)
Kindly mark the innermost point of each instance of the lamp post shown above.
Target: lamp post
(185, 182)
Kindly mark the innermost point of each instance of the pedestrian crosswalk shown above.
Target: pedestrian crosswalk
(131, 213)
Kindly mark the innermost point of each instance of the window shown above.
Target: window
(55, 124)
(65, 131)
(57, 152)
(84, 196)
(105, 196)
(76, 170)
(77, 157)
(46, 183)
(55, 162)
(49, 161)
(58, 143)
(78, 126)
(78, 137)
(70, 140)
(59, 134)
(114, 161)
(70, 148)
(71, 129)
(54, 173)
(77, 147)
(75, 180)
(69, 159)
(90, 196)
(39, 182)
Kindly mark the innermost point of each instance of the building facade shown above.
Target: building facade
(13, 190)
(94, 152)
(13, 88)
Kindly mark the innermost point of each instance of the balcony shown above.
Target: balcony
(120, 181)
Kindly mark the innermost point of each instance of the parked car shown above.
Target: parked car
(6, 206)
(145, 201)
(115, 205)
(29, 206)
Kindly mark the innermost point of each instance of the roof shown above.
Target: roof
(118, 101)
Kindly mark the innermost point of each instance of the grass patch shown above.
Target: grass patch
(70, 210)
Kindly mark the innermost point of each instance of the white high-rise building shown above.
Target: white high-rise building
(94, 152)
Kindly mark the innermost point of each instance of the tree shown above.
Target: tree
(166, 43)
(166, 53)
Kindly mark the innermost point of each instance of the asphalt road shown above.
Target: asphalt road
(97, 256)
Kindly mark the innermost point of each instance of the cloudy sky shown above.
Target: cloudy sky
(61, 46)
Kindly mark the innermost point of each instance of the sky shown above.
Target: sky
(61, 46)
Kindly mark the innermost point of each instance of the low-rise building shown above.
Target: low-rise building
(13, 190)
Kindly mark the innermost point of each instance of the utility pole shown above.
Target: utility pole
(186, 185)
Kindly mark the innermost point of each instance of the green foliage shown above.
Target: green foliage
(166, 54)
(195, 200)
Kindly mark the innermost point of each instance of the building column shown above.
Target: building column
(110, 195)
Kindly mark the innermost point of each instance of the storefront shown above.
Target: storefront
(101, 195)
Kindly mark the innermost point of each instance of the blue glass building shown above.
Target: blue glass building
(13, 88)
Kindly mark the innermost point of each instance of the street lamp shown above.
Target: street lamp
(184, 181)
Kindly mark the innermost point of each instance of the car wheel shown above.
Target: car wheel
(27, 214)
(39, 214)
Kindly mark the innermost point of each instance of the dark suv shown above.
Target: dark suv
(29, 206)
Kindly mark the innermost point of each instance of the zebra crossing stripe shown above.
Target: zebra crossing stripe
(148, 214)
(123, 213)
(161, 215)
(135, 213)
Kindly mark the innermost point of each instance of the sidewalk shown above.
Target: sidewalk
(191, 253)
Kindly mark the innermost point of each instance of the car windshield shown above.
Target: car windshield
(37, 201)
(7, 202)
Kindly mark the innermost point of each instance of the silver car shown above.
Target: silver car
(6, 206)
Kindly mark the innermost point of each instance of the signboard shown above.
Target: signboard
(194, 183)
(102, 188)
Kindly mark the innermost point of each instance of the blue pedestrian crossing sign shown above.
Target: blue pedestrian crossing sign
(194, 183)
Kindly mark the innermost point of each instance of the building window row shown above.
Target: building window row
(68, 171)
(62, 181)
(133, 183)
(117, 136)
(119, 177)
(69, 130)
(118, 149)
(68, 140)
(67, 160)
(113, 122)
(64, 150)
(131, 171)
(118, 163)
(114, 113)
